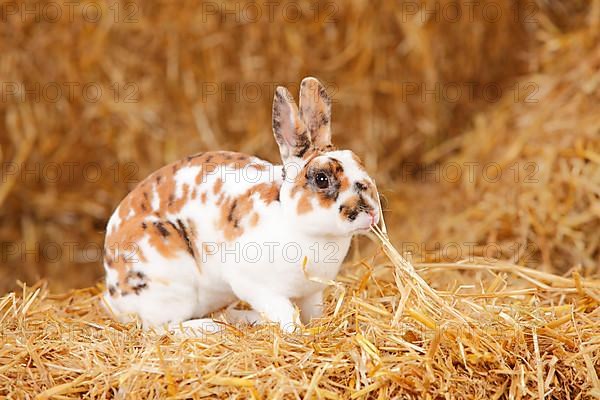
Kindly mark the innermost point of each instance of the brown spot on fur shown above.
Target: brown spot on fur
(218, 186)
(268, 192)
(353, 206)
(203, 197)
(232, 212)
(122, 250)
(235, 210)
(304, 205)
(254, 219)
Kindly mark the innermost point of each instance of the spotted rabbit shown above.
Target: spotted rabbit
(216, 227)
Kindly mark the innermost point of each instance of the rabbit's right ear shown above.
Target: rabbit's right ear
(289, 130)
(315, 111)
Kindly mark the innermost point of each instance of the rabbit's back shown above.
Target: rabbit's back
(157, 233)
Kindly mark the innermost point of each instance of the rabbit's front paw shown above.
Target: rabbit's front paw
(275, 307)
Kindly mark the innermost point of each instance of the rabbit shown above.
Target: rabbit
(206, 231)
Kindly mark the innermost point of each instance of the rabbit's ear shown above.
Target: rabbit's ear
(315, 111)
(289, 130)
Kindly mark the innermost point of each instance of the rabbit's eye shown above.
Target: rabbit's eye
(322, 180)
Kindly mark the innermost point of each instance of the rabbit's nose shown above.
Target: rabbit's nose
(374, 217)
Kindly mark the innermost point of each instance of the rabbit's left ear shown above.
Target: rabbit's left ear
(315, 111)
(289, 129)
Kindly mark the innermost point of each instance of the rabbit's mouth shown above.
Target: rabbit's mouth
(365, 221)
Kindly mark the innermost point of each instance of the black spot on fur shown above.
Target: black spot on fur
(327, 148)
(158, 178)
(360, 187)
(336, 166)
(190, 158)
(143, 206)
(323, 95)
(181, 229)
(363, 205)
(323, 119)
(352, 214)
(161, 229)
(231, 211)
(277, 126)
(303, 145)
(140, 281)
(112, 290)
(144, 226)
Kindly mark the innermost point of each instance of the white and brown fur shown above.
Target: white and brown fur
(159, 251)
